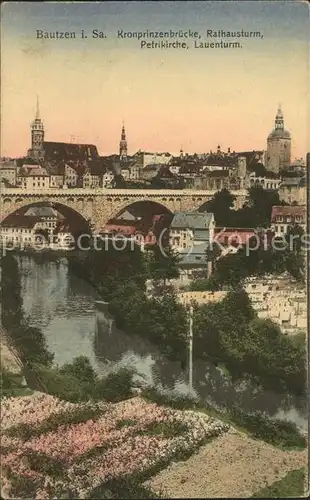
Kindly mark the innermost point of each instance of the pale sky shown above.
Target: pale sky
(168, 99)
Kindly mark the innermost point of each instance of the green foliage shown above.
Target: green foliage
(229, 331)
(11, 384)
(201, 285)
(277, 432)
(106, 267)
(162, 319)
(255, 213)
(81, 369)
(70, 382)
(221, 206)
(290, 486)
(116, 386)
(163, 264)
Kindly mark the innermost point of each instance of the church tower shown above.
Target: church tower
(278, 145)
(123, 145)
(37, 137)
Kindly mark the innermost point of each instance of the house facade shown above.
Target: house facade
(33, 178)
(283, 217)
(190, 229)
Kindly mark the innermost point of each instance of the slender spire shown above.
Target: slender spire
(123, 137)
(38, 109)
(279, 121)
(123, 143)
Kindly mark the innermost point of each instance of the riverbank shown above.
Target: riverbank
(55, 301)
(10, 360)
(131, 449)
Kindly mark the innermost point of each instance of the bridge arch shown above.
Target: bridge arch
(153, 207)
(76, 221)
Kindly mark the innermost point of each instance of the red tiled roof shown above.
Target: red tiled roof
(292, 210)
(110, 228)
(22, 221)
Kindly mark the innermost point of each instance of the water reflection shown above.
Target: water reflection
(62, 305)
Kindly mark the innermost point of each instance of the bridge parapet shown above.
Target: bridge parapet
(101, 204)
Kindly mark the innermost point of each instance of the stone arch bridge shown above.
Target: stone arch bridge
(100, 205)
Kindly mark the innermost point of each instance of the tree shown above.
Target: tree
(81, 369)
(230, 270)
(260, 202)
(165, 322)
(163, 264)
(221, 206)
(119, 182)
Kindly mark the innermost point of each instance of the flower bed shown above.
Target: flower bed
(58, 455)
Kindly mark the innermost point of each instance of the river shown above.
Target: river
(62, 306)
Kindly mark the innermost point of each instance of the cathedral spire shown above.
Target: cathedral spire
(123, 144)
(37, 136)
(38, 109)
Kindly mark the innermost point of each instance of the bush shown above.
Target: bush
(77, 382)
(277, 432)
(116, 386)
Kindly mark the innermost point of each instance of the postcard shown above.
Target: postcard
(154, 179)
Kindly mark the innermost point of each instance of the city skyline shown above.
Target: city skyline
(168, 99)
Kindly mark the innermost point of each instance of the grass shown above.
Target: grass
(291, 486)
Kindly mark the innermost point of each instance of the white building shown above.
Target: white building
(20, 231)
(190, 229)
(283, 217)
(49, 217)
(144, 158)
(33, 178)
(265, 181)
(71, 176)
(90, 180)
